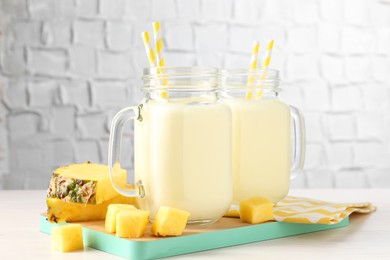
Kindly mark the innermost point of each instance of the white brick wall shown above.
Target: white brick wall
(66, 67)
(88, 33)
(211, 37)
(50, 62)
(119, 36)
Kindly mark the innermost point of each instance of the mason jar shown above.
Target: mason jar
(182, 144)
(268, 135)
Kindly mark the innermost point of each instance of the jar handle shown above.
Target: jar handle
(298, 141)
(114, 153)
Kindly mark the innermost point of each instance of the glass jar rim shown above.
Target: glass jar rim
(236, 72)
(242, 78)
(179, 72)
(181, 79)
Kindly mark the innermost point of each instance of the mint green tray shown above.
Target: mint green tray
(226, 232)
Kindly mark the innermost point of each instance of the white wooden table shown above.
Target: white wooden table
(366, 237)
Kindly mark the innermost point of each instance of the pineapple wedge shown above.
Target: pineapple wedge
(67, 238)
(256, 210)
(113, 209)
(60, 211)
(131, 223)
(84, 183)
(169, 222)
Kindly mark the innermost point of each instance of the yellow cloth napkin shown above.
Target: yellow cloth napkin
(304, 210)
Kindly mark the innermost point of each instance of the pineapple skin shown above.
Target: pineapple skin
(67, 238)
(131, 223)
(84, 183)
(256, 210)
(60, 211)
(169, 222)
(112, 211)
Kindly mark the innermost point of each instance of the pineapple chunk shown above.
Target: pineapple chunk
(256, 210)
(113, 209)
(67, 238)
(60, 211)
(131, 223)
(84, 183)
(232, 213)
(169, 222)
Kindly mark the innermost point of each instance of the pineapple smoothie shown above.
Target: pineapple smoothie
(182, 156)
(261, 148)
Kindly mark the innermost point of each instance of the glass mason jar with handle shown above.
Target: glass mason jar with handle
(268, 135)
(182, 144)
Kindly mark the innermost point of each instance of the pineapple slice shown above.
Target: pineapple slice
(84, 183)
(67, 238)
(169, 222)
(60, 211)
(131, 223)
(113, 209)
(256, 210)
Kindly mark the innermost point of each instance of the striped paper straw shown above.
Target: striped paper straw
(267, 55)
(149, 49)
(253, 65)
(151, 57)
(266, 62)
(158, 45)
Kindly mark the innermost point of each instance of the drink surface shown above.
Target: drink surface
(182, 157)
(261, 148)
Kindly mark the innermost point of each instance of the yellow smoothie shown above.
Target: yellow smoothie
(261, 148)
(182, 156)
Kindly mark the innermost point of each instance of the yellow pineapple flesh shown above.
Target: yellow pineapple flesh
(67, 238)
(232, 213)
(60, 211)
(169, 222)
(84, 183)
(131, 223)
(113, 209)
(256, 210)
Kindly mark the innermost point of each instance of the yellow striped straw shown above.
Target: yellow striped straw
(267, 55)
(158, 45)
(265, 63)
(149, 49)
(253, 65)
(150, 55)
